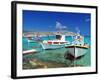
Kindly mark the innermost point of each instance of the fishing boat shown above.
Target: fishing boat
(59, 42)
(76, 51)
(77, 48)
(36, 38)
(29, 39)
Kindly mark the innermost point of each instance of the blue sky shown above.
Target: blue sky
(49, 21)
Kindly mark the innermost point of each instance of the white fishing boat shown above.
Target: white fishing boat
(76, 51)
(29, 39)
(34, 39)
(59, 42)
(77, 48)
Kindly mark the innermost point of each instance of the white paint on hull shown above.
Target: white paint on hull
(77, 52)
(51, 46)
(29, 51)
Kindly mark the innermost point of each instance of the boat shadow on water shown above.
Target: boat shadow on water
(73, 60)
(70, 57)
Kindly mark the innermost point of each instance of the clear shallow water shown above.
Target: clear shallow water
(52, 56)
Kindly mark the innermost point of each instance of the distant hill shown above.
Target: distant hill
(67, 33)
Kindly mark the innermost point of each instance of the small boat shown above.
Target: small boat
(34, 39)
(30, 39)
(59, 42)
(77, 48)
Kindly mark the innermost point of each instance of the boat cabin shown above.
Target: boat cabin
(60, 37)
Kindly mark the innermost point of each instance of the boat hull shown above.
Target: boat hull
(51, 46)
(76, 51)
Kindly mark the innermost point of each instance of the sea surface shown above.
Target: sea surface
(52, 58)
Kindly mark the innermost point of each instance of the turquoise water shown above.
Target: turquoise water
(57, 55)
